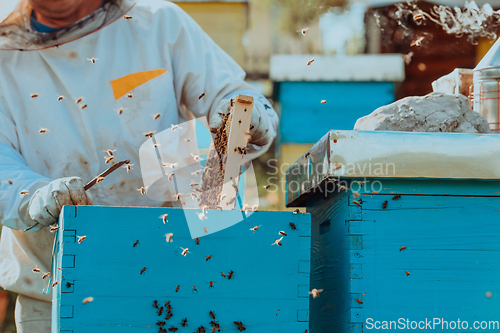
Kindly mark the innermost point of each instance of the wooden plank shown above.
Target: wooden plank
(262, 293)
(236, 147)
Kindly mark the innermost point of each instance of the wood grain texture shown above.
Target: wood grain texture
(450, 252)
(267, 292)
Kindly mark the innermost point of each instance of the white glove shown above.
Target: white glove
(259, 125)
(47, 202)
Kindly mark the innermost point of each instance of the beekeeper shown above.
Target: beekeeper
(79, 77)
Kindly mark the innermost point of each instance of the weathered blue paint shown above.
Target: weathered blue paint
(305, 120)
(268, 291)
(452, 243)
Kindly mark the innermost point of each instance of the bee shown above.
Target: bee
(396, 197)
(212, 315)
(204, 209)
(337, 166)
(418, 17)
(169, 237)
(149, 134)
(160, 311)
(81, 239)
(296, 211)
(54, 228)
(127, 17)
(43, 130)
(143, 270)
(201, 215)
(402, 248)
(360, 184)
(384, 204)
(177, 196)
(194, 289)
(135, 243)
(23, 193)
(187, 140)
(173, 329)
(201, 329)
(128, 167)
(60, 98)
(156, 145)
(303, 31)
(205, 229)
(374, 192)
(310, 61)
(266, 187)
(277, 242)
(177, 288)
(129, 95)
(230, 275)
(418, 41)
(46, 275)
(170, 176)
(211, 284)
(323, 101)
(157, 116)
(92, 60)
(167, 303)
(142, 190)
(119, 111)
(222, 274)
(184, 322)
(164, 218)
(222, 196)
(407, 273)
(79, 100)
(194, 184)
(356, 203)
(254, 208)
(99, 179)
(174, 127)
(230, 202)
(240, 325)
(9, 181)
(196, 157)
(55, 284)
(68, 284)
(254, 229)
(282, 233)
(87, 300)
(169, 307)
(201, 96)
(109, 152)
(407, 57)
(197, 241)
(342, 188)
(108, 159)
(359, 301)
(83, 106)
(161, 323)
(155, 304)
(208, 258)
(34, 95)
(36, 270)
(355, 194)
(193, 196)
(184, 251)
(315, 292)
(293, 226)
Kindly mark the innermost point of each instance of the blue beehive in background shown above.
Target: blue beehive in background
(352, 86)
(267, 290)
(405, 228)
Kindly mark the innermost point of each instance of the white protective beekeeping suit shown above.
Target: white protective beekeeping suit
(159, 37)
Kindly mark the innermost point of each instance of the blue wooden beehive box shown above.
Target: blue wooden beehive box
(267, 291)
(405, 230)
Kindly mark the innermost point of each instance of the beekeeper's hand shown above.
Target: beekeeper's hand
(259, 126)
(47, 202)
